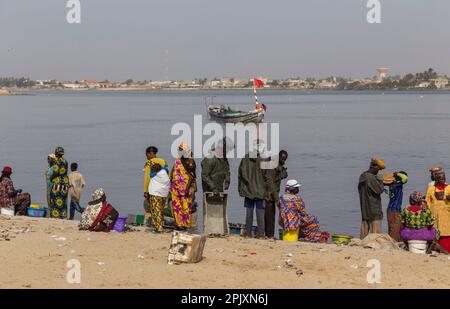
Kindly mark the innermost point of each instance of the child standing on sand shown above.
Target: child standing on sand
(76, 185)
(394, 208)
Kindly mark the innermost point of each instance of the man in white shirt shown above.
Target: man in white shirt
(76, 185)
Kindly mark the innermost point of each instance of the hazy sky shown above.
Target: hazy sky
(118, 39)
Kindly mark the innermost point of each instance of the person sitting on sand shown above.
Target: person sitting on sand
(99, 215)
(293, 215)
(11, 198)
(417, 220)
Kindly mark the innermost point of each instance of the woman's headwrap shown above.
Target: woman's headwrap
(184, 151)
(436, 169)
(59, 151)
(416, 199)
(98, 194)
(403, 177)
(378, 163)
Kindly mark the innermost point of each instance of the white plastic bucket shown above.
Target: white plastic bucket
(417, 246)
(7, 212)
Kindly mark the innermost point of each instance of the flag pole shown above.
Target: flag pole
(256, 96)
(257, 108)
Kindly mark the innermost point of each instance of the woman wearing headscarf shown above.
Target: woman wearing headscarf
(438, 199)
(183, 186)
(48, 175)
(417, 220)
(158, 190)
(293, 215)
(10, 198)
(60, 186)
(99, 215)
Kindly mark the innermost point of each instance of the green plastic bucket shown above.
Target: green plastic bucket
(140, 219)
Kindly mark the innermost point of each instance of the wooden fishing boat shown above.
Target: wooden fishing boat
(222, 113)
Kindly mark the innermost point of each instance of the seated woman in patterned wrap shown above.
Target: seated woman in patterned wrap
(99, 215)
(417, 220)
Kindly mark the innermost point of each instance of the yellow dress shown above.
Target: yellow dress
(440, 209)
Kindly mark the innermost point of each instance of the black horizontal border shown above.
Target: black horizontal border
(126, 298)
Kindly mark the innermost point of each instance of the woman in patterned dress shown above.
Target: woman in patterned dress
(293, 215)
(99, 215)
(60, 186)
(183, 186)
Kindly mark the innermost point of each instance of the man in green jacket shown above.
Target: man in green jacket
(272, 178)
(216, 169)
(253, 188)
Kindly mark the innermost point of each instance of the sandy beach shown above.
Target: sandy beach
(34, 253)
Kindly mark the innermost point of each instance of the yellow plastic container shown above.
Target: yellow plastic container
(35, 206)
(290, 235)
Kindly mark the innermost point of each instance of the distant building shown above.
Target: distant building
(73, 86)
(440, 82)
(91, 83)
(4, 91)
(325, 84)
(423, 85)
(105, 84)
(382, 73)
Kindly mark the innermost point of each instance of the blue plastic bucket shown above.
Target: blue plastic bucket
(119, 226)
(36, 212)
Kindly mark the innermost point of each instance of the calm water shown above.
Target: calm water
(330, 138)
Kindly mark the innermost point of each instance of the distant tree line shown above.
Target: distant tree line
(12, 82)
(397, 82)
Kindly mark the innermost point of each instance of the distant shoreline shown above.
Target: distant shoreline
(21, 91)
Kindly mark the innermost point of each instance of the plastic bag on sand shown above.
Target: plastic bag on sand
(376, 241)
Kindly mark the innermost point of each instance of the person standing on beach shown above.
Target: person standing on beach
(433, 171)
(183, 187)
(272, 178)
(370, 188)
(51, 158)
(152, 158)
(438, 199)
(216, 169)
(76, 185)
(11, 198)
(394, 208)
(158, 191)
(60, 186)
(252, 188)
